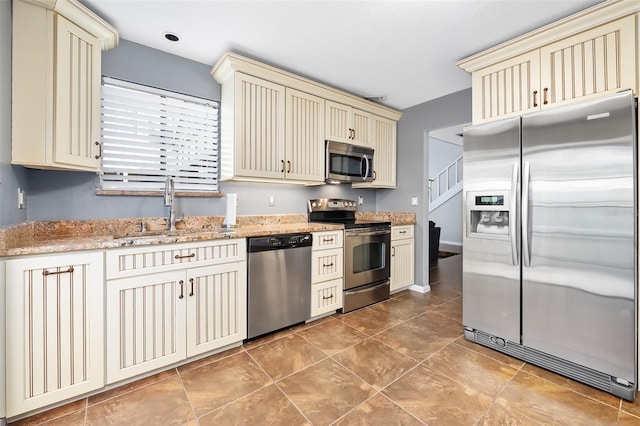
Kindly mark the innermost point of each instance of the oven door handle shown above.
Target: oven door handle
(366, 234)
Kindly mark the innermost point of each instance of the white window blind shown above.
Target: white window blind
(149, 134)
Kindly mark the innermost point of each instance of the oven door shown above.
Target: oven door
(367, 256)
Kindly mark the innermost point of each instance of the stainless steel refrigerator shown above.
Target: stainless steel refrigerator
(550, 242)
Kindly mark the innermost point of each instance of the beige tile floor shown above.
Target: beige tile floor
(400, 362)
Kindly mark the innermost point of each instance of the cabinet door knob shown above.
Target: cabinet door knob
(99, 145)
(535, 96)
(544, 95)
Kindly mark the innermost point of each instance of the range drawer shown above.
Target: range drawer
(166, 257)
(327, 239)
(326, 297)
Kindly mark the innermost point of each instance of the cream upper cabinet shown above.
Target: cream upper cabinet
(257, 126)
(304, 136)
(271, 133)
(349, 125)
(583, 56)
(56, 88)
(598, 61)
(274, 124)
(384, 159)
(507, 88)
(55, 346)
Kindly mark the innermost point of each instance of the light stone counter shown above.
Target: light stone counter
(46, 237)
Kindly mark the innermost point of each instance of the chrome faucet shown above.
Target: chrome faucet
(169, 195)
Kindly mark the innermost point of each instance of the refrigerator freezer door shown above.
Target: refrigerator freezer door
(491, 267)
(578, 202)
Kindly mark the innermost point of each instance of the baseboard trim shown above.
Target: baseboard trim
(451, 246)
(420, 289)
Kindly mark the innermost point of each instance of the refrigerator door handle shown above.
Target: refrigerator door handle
(513, 213)
(525, 214)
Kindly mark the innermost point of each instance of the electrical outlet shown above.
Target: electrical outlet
(272, 200)
(414, 201)
(21, 199)
(360, 200)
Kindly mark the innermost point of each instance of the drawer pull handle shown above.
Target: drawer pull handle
(544, 98)
(282, 168)
(288, 166)
(402, 232)
(535, 95)
(177, 256)
(393, 251)
(327, 240)
(191, 282)
(181, 282)
(327, 266)
(327, 297)
(67, 271)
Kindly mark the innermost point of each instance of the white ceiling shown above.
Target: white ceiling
(404, 50)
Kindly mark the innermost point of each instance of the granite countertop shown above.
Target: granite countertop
(80, 235)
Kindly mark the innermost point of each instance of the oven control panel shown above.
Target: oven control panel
(332, 204)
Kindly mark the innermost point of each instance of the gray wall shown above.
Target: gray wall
(71, 195)
(413, 164)
(11, 177)
(447, 216)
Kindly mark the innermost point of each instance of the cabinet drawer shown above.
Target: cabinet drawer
(326, 265)
(327, 239)
(326, 297)
(158, 258)
(401, 232)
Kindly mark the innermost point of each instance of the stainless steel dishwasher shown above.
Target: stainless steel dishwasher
(279, 282)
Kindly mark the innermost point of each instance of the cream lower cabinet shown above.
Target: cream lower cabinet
(349, 125)
(384, 159)
(54, 335)
(402, 257)
(327, 272)
(174, 302)
(596, 61)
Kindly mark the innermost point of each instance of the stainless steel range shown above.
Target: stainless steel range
(367, 251)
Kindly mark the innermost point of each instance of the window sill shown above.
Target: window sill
(117, 192)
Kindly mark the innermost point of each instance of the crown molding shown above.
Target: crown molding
(80, 15)
(594, 16)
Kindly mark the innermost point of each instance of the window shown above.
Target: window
(149, 134)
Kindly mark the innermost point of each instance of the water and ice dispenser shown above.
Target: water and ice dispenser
(488, 215)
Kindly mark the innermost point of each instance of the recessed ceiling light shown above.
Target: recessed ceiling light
(171, 37)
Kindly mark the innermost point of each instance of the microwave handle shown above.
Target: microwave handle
(366, 170)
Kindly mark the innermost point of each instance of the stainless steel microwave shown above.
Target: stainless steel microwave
(348, 163)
